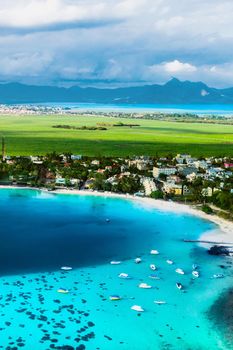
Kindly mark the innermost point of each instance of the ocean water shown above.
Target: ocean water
(199, 109)
(40, 232)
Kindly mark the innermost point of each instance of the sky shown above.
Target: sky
(116, 42)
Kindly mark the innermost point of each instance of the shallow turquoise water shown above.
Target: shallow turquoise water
(199, 109)
(40, 232)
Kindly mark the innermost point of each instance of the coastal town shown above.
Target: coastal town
(207, 182)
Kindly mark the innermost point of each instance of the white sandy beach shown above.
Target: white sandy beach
(222, 234)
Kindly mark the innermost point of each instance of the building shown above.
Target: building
(182, 158)
(187, 170)
(208, 192)
(149, 185)
(176, 189)
(76, 157)
(164, 170)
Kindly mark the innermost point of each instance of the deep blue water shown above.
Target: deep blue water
(40, 232)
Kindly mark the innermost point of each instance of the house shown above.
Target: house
(88, 184)
(163, 170)
(208, 192)
(187, 170)
(182, 158)
(95, 162)
(172, 188)
(228, 165)
(76, 157)
(202, 164)
(176, 189)
(60, 181)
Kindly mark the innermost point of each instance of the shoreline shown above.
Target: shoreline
(222, 234)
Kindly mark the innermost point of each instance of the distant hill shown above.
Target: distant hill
(173, 92)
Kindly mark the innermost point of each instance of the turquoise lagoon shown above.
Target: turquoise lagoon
(200, 109)
(40, 232)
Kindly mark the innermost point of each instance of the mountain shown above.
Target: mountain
(173, 92)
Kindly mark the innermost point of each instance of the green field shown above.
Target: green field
(34, 135)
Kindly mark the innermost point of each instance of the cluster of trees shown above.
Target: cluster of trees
(126, 184)
(84, 127)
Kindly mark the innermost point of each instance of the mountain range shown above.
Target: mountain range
(173, 92)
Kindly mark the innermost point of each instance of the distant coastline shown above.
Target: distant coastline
(222, 234)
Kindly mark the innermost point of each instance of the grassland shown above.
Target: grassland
(34, 135)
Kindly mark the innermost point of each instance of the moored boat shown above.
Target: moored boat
(218, 275)
(63, 291)
(66, 268)
(153, 267)
(115, 262)
(195, 273)
(170, 262)
(179, 285)
(137, 308)
(160, 302)
(154, 252)
(123, 275)
(154, 277)
(180, 271)
(114, 297)
(144, 286)
(138, 260)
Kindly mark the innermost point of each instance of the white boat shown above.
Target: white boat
(195, 273)
(194, 266)
(123, 275)
(115, 262)
(218, 275)
(170, 262)
(180, 271)
(66, 268)
(144, 286)
(137, 308)
(138, 260)
(160, 302)
(153, 267)
(63, 291)
(114, 297)
(179, 285)
(154, 252)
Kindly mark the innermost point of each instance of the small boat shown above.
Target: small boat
(115, 262)
(137, 308)
(114, 297)
(180, 271)
(144, 286)
(63, 291)
(218, 275)
(123, 275)
(66, 268)
(153, 267)
(154, 277)
(195, 273)
(160, 302)
(154, 252)
(170, 262)
(179, 285)
(138, 260)
(194, 266)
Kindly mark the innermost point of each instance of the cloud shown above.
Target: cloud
(179, 67)
(119, 42)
